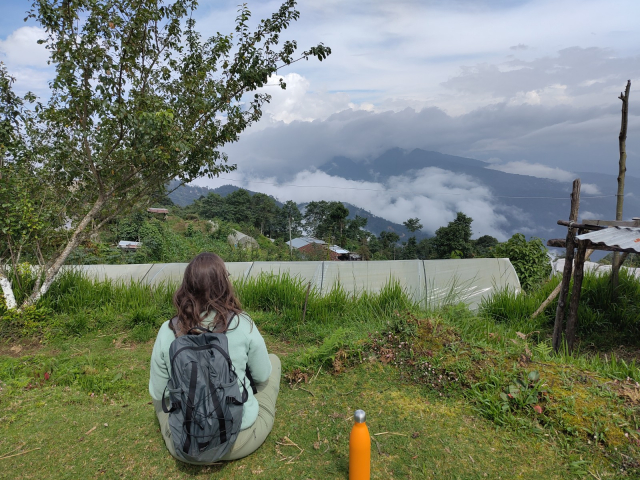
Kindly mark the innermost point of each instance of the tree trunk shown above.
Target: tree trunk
(622, 140)
(572, 320)
(7, 291)
(51, 272)
(568, 265)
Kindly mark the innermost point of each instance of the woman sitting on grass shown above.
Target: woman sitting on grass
(206, 299)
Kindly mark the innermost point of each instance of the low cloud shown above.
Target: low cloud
(534, 170)
(590, 189)
(520, 46)
(432, 194)
(543, 171)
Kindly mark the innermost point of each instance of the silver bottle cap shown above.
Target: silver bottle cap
(360, 416)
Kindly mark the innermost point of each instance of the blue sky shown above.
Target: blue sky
(530, 86)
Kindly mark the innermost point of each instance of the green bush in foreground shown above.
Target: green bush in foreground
(529, 259)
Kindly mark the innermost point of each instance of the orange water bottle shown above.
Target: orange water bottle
(359, 449)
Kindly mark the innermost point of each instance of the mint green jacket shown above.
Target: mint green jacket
(246, 348)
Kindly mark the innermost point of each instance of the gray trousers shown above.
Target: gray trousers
(251, 438)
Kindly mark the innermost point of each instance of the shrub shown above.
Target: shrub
(529, 259)
(33, 321)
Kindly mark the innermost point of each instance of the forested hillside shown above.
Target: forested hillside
(209, 223)
(187, 194)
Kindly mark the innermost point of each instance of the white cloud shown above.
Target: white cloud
(534, 170)
(20, 48)
(299, 102)
(588, 215)
(543, 171)
(590, 189)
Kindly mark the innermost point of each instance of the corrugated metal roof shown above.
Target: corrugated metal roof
(338, 250)
(626, 238)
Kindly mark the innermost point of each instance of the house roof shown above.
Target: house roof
(129, 244)
(338, 250)
(157, 210)
(625, 238)
(304, 241)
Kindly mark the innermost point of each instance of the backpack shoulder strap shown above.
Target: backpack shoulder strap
(252, 382)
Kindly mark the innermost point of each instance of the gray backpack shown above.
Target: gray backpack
(206, 408)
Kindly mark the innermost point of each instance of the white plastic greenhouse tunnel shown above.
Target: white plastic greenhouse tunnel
(429, 282)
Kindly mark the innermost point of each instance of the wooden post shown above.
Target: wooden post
(572, 319)
(622, 141)
(306, 299)
(290, 244)
(555, 292)
(568, 265)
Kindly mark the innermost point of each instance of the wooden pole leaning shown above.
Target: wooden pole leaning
(568, 266)
(555, 292)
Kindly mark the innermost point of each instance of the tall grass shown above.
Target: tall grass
(507, 306)
(76, 305)
(604, 323)
(603, 320)
(284, 297)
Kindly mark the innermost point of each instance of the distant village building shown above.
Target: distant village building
(317, 248)
(239, 239)
(161, 212)
(129, 245)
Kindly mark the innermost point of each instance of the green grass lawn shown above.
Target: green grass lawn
(449, 394)
(74, 431)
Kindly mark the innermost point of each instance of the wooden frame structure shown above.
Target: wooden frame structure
(577, 249)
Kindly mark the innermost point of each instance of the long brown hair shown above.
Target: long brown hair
(206, 288)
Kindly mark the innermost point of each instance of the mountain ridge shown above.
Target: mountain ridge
(529, 204)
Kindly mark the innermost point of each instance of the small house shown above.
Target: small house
(239, 239)
(315, 248)
(159, 212)
(129, 245)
